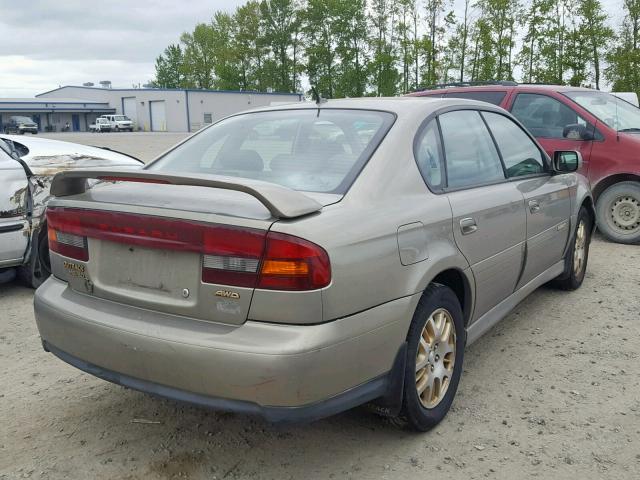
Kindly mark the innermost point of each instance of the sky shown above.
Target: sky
(48, 43)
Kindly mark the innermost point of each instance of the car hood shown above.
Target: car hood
(47, 157)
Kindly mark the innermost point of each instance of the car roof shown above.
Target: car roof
(502, 88)
(401, 106)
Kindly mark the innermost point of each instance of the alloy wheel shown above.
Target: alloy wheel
(580, 249)
(435, 358)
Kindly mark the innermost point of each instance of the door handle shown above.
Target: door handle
(468, 226)
(534, 206)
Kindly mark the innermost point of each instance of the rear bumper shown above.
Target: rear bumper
(281, 372)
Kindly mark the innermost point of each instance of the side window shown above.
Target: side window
(520, 154)
(489, 97)
(544, 116)
(471, 155)
(429, 157)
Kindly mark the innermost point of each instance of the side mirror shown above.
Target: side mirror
(566, 161)
(575, 131)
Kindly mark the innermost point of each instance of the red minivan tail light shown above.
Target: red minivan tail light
(235, 256)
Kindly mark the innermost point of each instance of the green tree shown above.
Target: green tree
(199, 58)
(496, 34)
(352, 37)
(281, 26)
(170, 71)
(384, 73)
(248, 32)
(576, 52)
(227, 66)
(595, 31)
(320, 31)
(433, 12)
(624, 58)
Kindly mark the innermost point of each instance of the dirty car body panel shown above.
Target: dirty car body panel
(14, 224)
(152, 288)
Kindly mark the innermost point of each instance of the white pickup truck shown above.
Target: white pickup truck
(100, 125)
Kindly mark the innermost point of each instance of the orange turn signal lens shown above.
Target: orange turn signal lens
(285, 267)
(51, 233)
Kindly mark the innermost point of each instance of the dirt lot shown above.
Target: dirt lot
(552, 392)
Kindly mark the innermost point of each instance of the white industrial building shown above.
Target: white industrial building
(54, 114)
(152, 109)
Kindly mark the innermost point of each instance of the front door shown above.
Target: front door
(546, 118)
(546, 196)
(75, 122)
(489, 220)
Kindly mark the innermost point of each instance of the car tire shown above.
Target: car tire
(435, 351)
(577, 255)
(618, 212)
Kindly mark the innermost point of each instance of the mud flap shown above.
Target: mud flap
(390, 404)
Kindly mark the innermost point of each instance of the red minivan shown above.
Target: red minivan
(604, 128)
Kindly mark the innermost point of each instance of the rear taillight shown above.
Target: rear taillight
(235, 256)
(65, 236)
(291, 263)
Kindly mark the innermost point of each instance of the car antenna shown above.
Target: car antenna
(317, 97)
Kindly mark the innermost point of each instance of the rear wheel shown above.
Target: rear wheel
(618, 212)
(435, 349)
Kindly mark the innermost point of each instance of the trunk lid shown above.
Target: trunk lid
(142, 252)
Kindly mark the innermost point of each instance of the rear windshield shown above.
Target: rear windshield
(314, 150)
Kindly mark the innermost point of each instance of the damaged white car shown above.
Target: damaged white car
(27, 167)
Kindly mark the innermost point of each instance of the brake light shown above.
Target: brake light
(291, 263)
(64, 237)
(236, 256)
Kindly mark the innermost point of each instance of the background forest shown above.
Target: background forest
(352, 48)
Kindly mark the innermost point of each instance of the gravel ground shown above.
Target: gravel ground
(551, 392)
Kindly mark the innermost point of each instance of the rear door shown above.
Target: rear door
(489, 220)
(14, 226)
(547, 198)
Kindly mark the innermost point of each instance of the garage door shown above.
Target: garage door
(158, 117)
(129, 106)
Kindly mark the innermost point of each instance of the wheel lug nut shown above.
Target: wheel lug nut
(437, 357)
(432, 368)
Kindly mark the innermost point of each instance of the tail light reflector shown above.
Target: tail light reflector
(236, 256)
(65, 237)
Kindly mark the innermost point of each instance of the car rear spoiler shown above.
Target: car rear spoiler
(281, 201)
